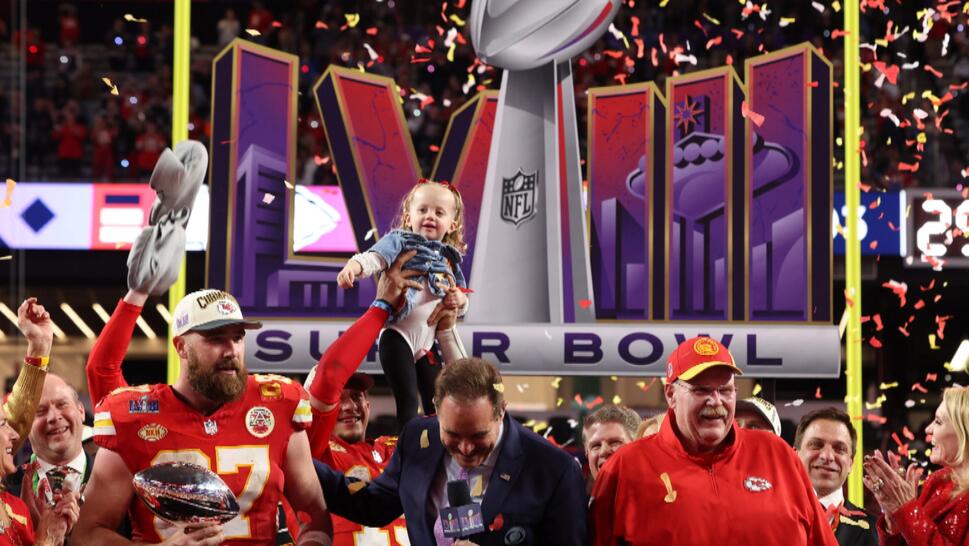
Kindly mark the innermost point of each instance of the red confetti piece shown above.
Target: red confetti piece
(931, 377)
(908, 434)
(435, 148)
(817, 393)
(903, 166)
(875, 343)
(497, 523)
(929, 287)
(899, 288)
(934, 72)
(878, 322)
(754, 117)
(920, 388)
(897, 439)
(837, 33)
(940, 321)
(321, 24)
(919, 304)
(876, 418)
(714, 41)
(813, 84)
(585, 303)
(890, 71)
(873, 245)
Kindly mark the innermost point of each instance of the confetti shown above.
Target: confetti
(585, 303)
(556, 382)
(353, 19)
(132, 19)
(795, 403)
(289, 185)
(885, 386)
(817, 393)
(500, 387)
(5, 258)
(757, 389)
(253, 32)
(754, 117)
(960, 359)
(111, 86)
(370, 235)
(8, 194)
(268, 198)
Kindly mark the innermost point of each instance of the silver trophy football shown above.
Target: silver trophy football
(532, 245)
(186, 494)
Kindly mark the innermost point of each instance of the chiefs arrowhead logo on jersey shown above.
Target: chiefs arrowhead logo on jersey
(152, 432)
(260, 421)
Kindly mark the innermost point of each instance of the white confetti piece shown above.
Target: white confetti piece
(268, 198)
(369, 235)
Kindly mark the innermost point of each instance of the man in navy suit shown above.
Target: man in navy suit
(529, 491)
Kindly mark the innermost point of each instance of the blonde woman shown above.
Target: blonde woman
(939, 516)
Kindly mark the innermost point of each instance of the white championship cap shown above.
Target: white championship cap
(209, 309)
(764, 408)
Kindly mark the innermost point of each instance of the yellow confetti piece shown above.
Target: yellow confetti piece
(877, 403)
(353, 19)
(614, 377)
(556, 382)
(253, 32)
(616, 400)
(112, 86)
(839, 141)
(884, 386)
(450, 52)
(757, 389)
(5, 258)
(425, 443)
(920, 138)
(289, 185)
(932, 344)
(882, 42)
(559, 401)
(8, 194)
(711, 19)
(500, 387)
(132, 19)
(456, 20)
(787, 21)
(908, 97)
(836, 6)
(663, 3)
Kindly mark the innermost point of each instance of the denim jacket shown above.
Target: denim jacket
(439, 261)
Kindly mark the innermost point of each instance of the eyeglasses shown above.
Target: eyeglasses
(724, 391)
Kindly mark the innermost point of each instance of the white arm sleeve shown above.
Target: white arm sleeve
(371, 262)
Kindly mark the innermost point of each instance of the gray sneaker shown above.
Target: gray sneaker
(176, 179)
(156, 256)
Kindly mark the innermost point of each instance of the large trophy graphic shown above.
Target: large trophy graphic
(531, 259)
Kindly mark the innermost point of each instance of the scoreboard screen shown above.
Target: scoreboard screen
(938, 228)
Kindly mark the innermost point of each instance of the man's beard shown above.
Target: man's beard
(214, 385)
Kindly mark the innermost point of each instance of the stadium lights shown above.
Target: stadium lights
(101, 312)
(163, 311)
(149, 333)
(78, 321)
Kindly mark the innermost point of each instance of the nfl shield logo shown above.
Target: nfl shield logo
(518, 196)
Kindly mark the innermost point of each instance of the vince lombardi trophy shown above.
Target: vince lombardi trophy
(531, 259)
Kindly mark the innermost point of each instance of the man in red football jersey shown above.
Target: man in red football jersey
(248, 429)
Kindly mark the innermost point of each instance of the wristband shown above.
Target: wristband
(38, 361)
(383, 304)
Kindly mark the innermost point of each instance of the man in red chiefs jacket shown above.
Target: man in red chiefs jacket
(702, 479)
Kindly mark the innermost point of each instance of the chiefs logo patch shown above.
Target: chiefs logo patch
(705, 347)
(756, 485)
(260, 421)
(152, 432)
(226, 307)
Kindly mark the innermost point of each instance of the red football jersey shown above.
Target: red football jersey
(244, 442)
(365, 462)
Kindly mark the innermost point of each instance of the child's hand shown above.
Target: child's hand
(455, 299)
(349, 274)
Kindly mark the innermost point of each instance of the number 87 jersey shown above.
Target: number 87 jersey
(244, 442)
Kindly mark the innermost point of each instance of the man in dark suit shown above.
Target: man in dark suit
(826, 442)
(529, 491)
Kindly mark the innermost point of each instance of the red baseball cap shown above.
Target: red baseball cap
(697, 355)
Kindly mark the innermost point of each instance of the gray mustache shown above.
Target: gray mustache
(720, 412)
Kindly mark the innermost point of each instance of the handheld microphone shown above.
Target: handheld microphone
(463, 518)
(458, 493)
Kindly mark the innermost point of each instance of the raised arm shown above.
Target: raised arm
(36, 326)
(103, 368)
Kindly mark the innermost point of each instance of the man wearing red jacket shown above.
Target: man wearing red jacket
(702, 479)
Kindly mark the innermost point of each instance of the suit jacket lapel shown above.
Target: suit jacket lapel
(507, 468)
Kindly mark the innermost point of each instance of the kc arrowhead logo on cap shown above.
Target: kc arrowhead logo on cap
(207, 310)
